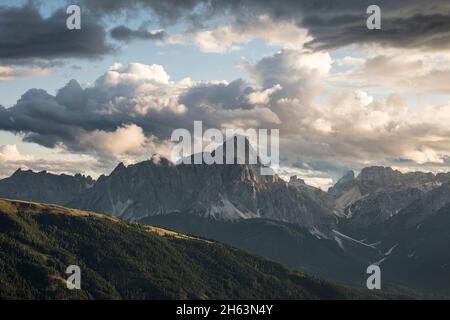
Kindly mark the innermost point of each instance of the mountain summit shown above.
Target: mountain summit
(43, 186)
(223, 192)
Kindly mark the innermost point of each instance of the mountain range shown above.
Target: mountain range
(43, 186)
(380, 216)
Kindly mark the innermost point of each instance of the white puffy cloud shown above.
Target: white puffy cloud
(424, 155)
(120, 142)
(285, 34)
(128, 144)
(403, 71)
(348, 127)
(12, 159)
(10, 152)
(263, 96)
(134, 73)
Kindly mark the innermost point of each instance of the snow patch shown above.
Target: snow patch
(339, 242)
(119, 208)
(228, 211)
(316, 233)
(353, 240)
(390, 250)
(379, 262)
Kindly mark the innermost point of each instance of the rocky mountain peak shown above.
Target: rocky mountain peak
(219, 191)
(378, 173)
(296, 181)
(342, 184)
(240, 148)
(19, 172)
(118, 169)
(374, 178)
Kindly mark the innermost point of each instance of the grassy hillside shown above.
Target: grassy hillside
(121, 260)
(286, 243)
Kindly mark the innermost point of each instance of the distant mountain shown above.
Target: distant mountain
(422, 209)
(378, 193)
(44, 186)
(324, 199)
(343, 184)
(420, 255)
(120, 260)
(416, 243)
(222, 191)
(334, 234)
(426, 206)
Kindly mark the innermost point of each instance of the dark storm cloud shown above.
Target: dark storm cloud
(53, 120)
(420, 30)
(126, 34)
(62, 119)
(167, 11)
(332, 23)
(222, 96)
(46, 120)
(27, 36)
(68, 117)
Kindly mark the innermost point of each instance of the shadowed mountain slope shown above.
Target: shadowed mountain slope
(121, 260)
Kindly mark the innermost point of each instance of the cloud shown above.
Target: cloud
(366, 131)
(167, 12)
(126, 34)
(135, 73)
(119, 142)
(138, 94)
(129, 113)
(127, 144)
(276, 33)
(409, 72)
(25, 35)
(330, 24)
(330, 120)
(405, 24)
(224, 104)
(349, 128)
(9, 73)
(424, 155)
(10, 152)
(12, 159)
(263, 97)
(300, 77)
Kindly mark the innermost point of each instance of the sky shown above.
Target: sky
(343, 97)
